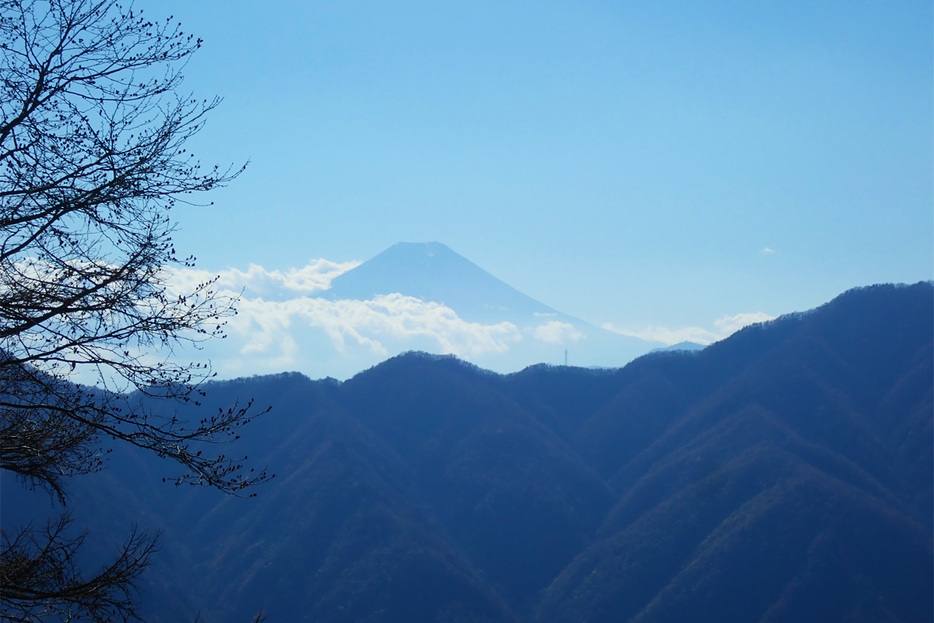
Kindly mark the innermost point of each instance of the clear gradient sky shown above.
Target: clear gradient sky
(643, 164)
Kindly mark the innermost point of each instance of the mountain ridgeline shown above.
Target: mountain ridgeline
(785, 474)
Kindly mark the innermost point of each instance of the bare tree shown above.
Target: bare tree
(93, 128)
(46, 580)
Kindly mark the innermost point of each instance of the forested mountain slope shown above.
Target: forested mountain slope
(783, 474)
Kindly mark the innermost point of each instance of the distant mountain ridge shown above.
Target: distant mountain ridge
(782, 475)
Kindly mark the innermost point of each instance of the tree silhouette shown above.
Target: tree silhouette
(93, 129)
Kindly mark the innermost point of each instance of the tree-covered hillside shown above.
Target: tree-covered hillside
(783, 474)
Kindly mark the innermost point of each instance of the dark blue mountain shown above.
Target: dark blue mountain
(783, 475)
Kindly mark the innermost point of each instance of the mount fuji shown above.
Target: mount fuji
(527, 331)
(433, 272)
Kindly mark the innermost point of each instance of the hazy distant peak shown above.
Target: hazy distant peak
(505, 328)
(431, 271)
(429, 249)
(432, 255)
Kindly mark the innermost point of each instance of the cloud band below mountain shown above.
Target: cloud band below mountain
(282, 324)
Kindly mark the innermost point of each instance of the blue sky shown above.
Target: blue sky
(662, 164)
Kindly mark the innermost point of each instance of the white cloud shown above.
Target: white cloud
(768, 251)
(278, 326)
(256, 281)
(269, 327)
(555, 332)
(723, 327)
